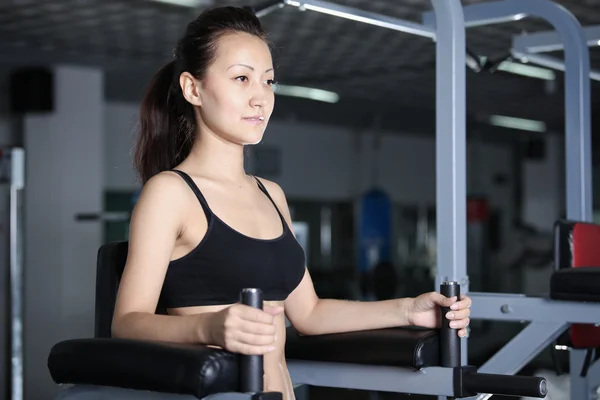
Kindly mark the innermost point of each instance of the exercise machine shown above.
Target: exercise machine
(548, 319)
(395, 360)
(401, 360)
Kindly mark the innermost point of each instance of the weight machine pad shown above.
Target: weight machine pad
(201, 370)
(576, 284)
(398, 347)
(144, 365)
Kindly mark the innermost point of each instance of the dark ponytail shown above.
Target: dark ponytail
(167, 125)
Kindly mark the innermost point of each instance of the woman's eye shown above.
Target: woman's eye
(242, 78)
(271, 82)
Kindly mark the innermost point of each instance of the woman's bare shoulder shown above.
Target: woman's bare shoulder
(274, 189)
(165, 186)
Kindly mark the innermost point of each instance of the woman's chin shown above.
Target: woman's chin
(246, 137)
(250, 140)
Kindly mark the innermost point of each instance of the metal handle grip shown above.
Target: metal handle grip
(449, 340)
(251, 366)
(507, 385)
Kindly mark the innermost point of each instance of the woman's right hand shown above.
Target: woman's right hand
(245, 330)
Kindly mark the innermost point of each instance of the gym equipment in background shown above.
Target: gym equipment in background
(374, 239)
(478, 215)
(12, 174)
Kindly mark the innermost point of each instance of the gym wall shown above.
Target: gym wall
(323, 162)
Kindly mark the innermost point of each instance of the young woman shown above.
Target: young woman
(203, 229)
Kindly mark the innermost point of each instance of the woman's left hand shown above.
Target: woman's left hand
(424, 311)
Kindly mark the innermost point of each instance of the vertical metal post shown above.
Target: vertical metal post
(17, 184)
(577, 89)
(451, 191)
(577, 103)
(577, 113)
(450, 143)
(578, 122)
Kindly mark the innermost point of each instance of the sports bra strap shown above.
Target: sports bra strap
(197, 192)
(265, 191)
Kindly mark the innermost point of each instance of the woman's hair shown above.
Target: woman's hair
(167, 124)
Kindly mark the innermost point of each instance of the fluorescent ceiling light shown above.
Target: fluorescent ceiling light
(363, 16)
(517, 123)
(186, 3)
(307, 93)
(527, 70)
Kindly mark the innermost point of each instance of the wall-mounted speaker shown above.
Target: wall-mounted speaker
(31, 90)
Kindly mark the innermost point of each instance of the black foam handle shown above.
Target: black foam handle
(251, 366)
(507, 385)
(449, 340)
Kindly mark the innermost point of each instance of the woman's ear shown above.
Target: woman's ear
(190, 87)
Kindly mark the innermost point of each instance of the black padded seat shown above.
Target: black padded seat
(396, 347)
(576, 284)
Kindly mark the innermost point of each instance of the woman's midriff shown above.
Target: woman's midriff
(276, 375)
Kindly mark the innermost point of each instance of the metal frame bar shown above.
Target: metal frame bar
(488, 14)
(584, 387)
(359, 15)
(451, 190)
(519, 307)
(547, 41)
(524, 347)
(91, 392)
(433, 380)
(17, 185)
(577, 87)
(548, 61)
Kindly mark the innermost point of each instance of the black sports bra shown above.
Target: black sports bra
(226, 261)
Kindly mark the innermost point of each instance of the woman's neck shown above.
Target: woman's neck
(218, 160)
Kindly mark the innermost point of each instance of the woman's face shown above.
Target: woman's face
(236, 94)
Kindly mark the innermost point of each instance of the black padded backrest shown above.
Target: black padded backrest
(109, 269)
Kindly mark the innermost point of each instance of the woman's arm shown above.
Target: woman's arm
(155, 225)
(313, 316)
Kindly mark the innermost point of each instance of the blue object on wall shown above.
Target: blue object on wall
(375, 229)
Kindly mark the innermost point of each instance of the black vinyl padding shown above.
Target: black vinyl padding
(576, 284)
(201, 370)
(397, 347)
(144, 365)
